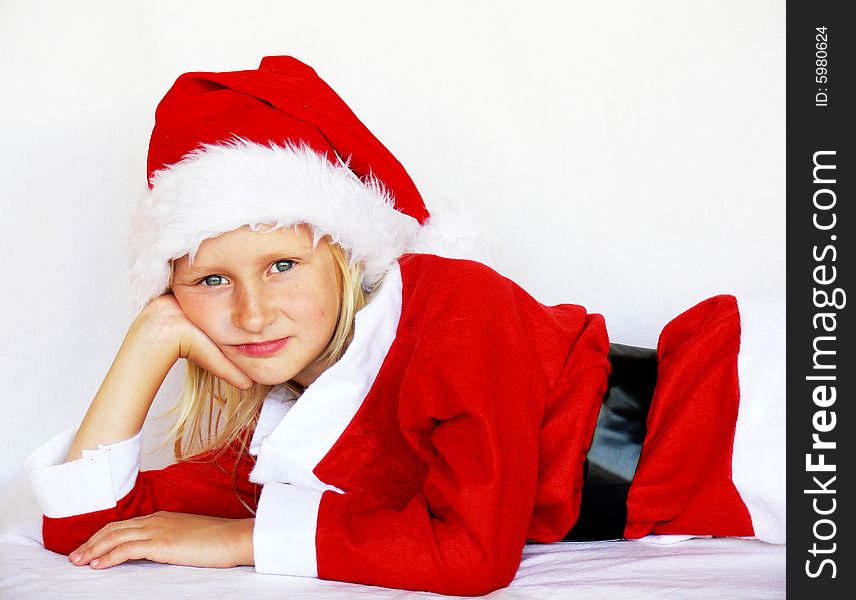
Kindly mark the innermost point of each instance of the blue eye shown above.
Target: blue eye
(207, 280)
(282, 266)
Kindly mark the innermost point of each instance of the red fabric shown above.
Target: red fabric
(203, 488)
(283, 100)
(683, 481)
(471, 440)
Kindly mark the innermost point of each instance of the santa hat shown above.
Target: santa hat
(276, 145)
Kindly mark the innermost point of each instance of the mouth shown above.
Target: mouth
(262, 349)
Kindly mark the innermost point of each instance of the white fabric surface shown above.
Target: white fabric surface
(700, 569)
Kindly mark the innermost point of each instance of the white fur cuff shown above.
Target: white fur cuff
(96, 481)
(284, 532)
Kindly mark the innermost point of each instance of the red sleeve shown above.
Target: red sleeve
(199, 486)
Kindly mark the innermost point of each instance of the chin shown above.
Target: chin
(268, 378)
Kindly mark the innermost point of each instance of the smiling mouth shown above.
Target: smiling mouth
(262, 349)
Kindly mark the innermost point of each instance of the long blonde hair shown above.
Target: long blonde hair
(213, 415)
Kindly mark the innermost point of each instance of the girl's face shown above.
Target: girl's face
(248, 287)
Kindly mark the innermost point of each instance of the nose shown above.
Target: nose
(253, 309)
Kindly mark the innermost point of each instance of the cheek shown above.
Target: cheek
(332, 301)
(204, 314)
(318, 310)
(312, 311)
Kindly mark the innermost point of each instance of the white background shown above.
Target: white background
(628, 156)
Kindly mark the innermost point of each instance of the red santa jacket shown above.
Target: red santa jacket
(453, 430)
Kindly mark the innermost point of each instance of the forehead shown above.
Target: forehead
(244, 244)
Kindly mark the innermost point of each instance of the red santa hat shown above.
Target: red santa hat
(277, 146)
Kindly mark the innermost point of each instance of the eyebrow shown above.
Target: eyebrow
(199, 269)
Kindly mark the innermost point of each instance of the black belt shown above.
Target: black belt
(617, 443)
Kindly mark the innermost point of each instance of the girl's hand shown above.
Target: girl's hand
(173, 538)
(162, 323)
(158, 337)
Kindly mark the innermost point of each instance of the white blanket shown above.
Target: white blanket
(696, 568)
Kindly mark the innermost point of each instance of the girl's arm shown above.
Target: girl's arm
(196, 495)
(85, 483)
(159, 336)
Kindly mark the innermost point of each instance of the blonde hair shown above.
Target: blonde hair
(213, 415)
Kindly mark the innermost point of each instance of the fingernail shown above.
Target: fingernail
(94, 563)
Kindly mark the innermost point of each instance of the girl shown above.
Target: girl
(358, 407)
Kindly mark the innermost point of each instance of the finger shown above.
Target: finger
(107, 530)
(107, 538)
(205, 353)
(164, 316)
(227, 371)
(124, 552)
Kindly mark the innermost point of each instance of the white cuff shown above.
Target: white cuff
(284, 532)
(96, 481)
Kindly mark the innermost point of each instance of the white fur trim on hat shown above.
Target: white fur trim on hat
(220, 188)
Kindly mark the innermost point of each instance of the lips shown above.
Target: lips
(262, 349)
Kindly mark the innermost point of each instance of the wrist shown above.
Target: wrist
(151, 336)
(242, 534)
(145, 346)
